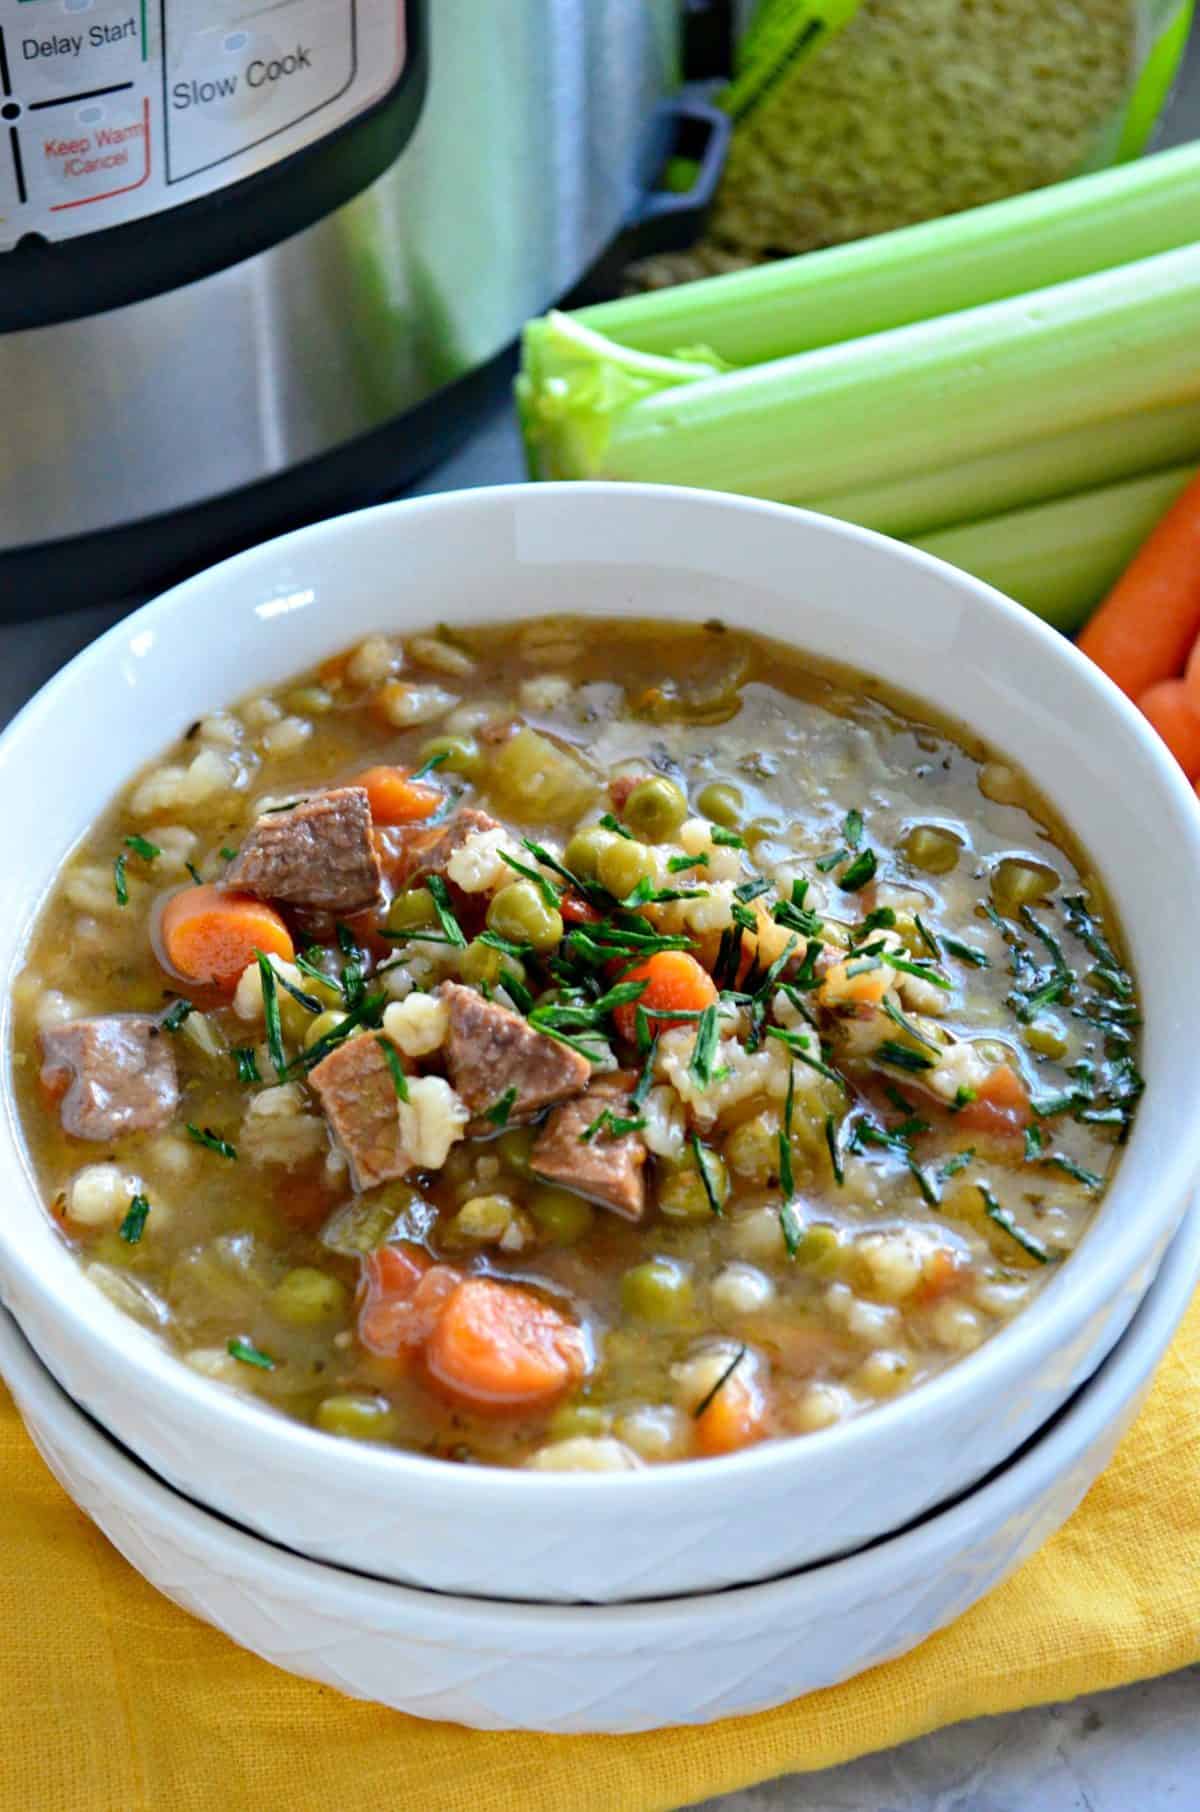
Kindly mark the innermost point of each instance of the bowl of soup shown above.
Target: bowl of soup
(587, 1042)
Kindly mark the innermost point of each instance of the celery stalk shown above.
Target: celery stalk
(1057, 466)
(915, 273)
(1060, 558)
(910, 400)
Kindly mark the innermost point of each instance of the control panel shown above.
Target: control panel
(111, 110)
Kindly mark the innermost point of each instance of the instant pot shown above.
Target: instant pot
(258, 258)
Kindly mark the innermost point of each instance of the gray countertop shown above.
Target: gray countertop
(1137, 1750)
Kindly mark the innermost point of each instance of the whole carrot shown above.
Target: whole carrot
(1171, 708)
(1143, 631)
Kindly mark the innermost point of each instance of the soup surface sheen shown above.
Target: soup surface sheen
(580, 1044)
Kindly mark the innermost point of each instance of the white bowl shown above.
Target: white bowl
(838, 591)
(603, 1668)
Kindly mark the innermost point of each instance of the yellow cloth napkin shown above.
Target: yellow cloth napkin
(111, 1700)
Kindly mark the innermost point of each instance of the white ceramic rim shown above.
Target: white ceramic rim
(1094, 1276)
(1020, 1482)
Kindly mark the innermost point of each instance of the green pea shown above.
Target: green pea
(357, 1418)
(820, 1250)
(682, 1195)
(655, 809)
(560, 1216)
(721, 804)
(579, 1419)
(514, 1147)
(582, 854)
(481, 962)
(537, 782)
(761, 830)
(1020, 881)
(411, 911)
(622, 865)
(307, 1296)
(658, 1290)
(519, 912)
(310, 701)
(753, 1148)
(462, 755)
(932, 848)
(323, 1023)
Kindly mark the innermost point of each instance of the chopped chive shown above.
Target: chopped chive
(549, 893)
(609, 822)
(270, 996)
(288, 805)
(1033, 1143)
(752, 889)
(439, 893)
(725, 839)
(134, 1224)
(963, 1097)
(881, 918)
(957, 1161)
(246, 1062)
(906, 1025)
(517, 992)
(901, 1057)
(925, 1183)
(646, 1080)
(368, 1009)
(431, 766)
(787, 1181)
(500, 1110)
(142, 846)
(309, 1002)
(175, 1015)
(726, 1375)
(729, 956)
(776, 970)
(246, 1353)
(677, 864)
(211, 1141)
(852, 828)
(797, 1043)
(588, 890)
(926, 936)
(921, 970)
(641, 1029)
(966, 953)
(507, 946)
(1070, 1168)
(789, 1221)
(391, 1057)
(863, 966)
(823, 864)
(702, 1154)
(646, 894)
(352, 969)
(120, 885)
(197, 877)
(835, 1152)
(226, 853)
(704, 1050)
(742, 916)
(1005, 1219)
(307, 967)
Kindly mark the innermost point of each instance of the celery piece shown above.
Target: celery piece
(1060, 558)
(1068, 230)
(1058, 466)
(911, 400)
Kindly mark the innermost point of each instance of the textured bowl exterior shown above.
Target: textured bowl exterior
(835, 590)
(573, 1669)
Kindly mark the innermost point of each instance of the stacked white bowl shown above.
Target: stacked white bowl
(493, 1537)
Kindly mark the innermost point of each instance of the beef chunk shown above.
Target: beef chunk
(118, 1072)
(319, 855)
(608, 1170)
(490, 1050)
(357, 1093)
(420, 849)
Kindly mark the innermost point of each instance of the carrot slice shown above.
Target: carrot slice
(1143, 630)
(673, 980)
(403, 1295)
(1171, 708)
(209, 935)
(497, 1348)
(736, 1417)
(1001, 1105)
(396, 798)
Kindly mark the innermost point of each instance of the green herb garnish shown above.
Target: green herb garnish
(227, 854)
(705, 1048)
(1070, 1168)
(246, 1353)
(702, 1155)
(247, 1064)
(270, 999)
(391, 1057)
(439, 893)
(646, 1080)
(211, 1141)
(1004, 1218)
(612, 823)
(518, 993)
(835, 1150)
(906, 1025)
(787, 1181)
(966, 953)
(549, 893)
(789, 1221)
(352, 968)
(798, 1043)
(506, 945)
(677, 864)
(197, 877)
(120, 884)
(431, 766)
(852, 828)
(726, 1375)
(902, 1058)
(134, 1224)
(725, 839)
(175, 1015)
(142, 846)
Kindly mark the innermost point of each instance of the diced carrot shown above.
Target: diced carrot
(736, 1416)
(332, 672)
(576, 911)
(1171, 708)
(866, 988)
(1001, 1105)
(1145, 627)
(497, 1348)
(673, 980)
(396, 798)
(403, 1294)
(209, 935)
(947, 1270)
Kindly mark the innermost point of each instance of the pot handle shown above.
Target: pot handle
(669, 219)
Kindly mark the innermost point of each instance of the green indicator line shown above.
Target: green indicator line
(143, 31)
